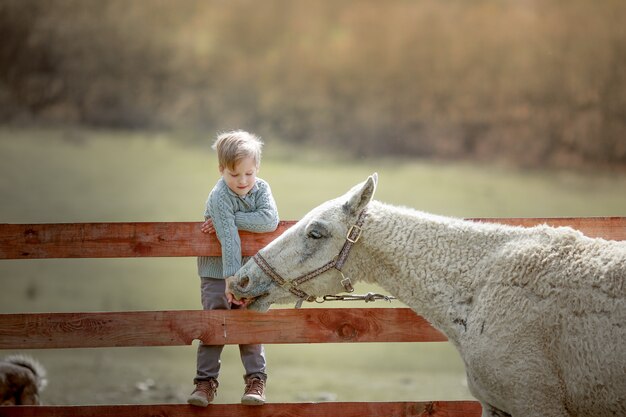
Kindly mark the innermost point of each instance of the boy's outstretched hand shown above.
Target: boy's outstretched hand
(207, 227)
(229, 295)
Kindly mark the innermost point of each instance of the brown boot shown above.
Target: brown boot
(254, 393)
(204, 393)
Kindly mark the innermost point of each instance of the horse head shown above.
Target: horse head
(305, 262)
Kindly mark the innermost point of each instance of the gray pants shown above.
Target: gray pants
(208, 365)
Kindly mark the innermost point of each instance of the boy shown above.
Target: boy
(239, 201)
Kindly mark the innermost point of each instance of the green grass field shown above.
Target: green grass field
(70, 175)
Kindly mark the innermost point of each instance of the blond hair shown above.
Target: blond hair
(233, 146)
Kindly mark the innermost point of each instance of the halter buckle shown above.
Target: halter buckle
(347, 284)
(354, 229)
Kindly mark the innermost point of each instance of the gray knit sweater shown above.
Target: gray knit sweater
(254, 212)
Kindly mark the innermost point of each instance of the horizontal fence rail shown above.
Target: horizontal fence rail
(217, 327)
(343, 409)
(168, 239)
(119, 240)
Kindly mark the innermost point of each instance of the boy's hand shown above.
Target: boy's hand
(207, 227)
(229, 295)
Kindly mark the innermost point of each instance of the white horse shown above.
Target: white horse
(537, 314)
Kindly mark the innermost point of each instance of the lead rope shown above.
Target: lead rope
(370, 297)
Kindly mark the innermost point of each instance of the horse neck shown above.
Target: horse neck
(427, 261)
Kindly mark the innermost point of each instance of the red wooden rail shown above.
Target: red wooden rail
(352, 409)
(121, 240)
(220, 327)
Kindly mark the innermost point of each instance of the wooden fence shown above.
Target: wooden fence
(173, 328)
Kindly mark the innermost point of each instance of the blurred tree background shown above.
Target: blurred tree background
(526, 82)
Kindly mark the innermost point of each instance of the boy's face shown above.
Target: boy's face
(242, 177)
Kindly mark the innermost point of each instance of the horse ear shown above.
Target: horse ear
(361, 195)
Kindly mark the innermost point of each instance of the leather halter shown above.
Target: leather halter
(292, 286)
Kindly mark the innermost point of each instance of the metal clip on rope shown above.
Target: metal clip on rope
(369, 297)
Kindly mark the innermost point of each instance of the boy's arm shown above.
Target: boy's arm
(223, 217)
(264, 218)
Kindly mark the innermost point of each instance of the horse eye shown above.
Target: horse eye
(314, 234)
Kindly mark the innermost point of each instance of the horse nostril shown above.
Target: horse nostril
(243, 282)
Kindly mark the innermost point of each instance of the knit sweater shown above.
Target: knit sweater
(254, 212)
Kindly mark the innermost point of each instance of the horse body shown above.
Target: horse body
(537, 314)
(526, 308)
